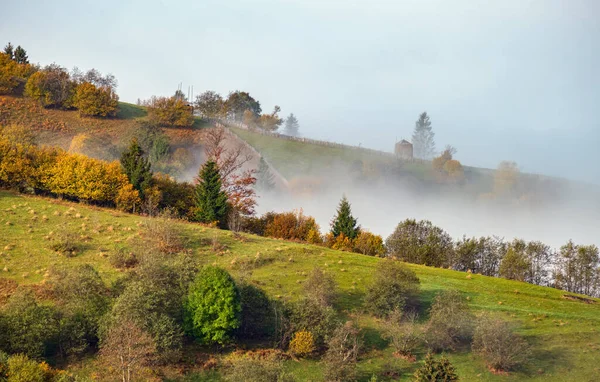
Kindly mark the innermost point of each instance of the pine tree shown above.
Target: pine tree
(264, 178)
(344, 222)
(422, 139)
(136, 166)
(211, 200)
(436, 371)
(10, 51)
(446, 371)
(21, 56)
(291, 125)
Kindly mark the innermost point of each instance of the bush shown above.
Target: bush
(394, 286)
(66, 243)
(420, 243)
(306, 315)
(403, 332)
(340, 242)
(123, 259)
(433, 370)
(302, 343)
(342, 354)
(170, 111)
(96, 101)
(320, 288)
(23, 369)
(290, 226)
(369, 244)
(257, 317)
(213, 306)
(450, 321)
(177, 197)
(496, 342)
(163, 234)
(481, 255)
(252, 369)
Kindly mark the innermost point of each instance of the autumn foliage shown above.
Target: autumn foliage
(96, 101)
(170, 111)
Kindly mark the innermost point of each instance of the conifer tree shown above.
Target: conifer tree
(21, 55)
(211, 200)
(136, 166)
(291, 125)
(344, 222)
(422, 139)
(9, 51)
(434, 371)
(264, 177)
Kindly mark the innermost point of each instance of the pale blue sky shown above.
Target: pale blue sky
(506, 79)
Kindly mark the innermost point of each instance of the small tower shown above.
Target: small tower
(404, 149)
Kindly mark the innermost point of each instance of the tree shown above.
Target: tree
(514, 265)
(210, 104)
(9, 50)
(136, 167)
(95, 101)
(127, 348)
(578, 269)
(421, 243)
(320, 288)
(291, 126)
(436, 371)
(342, 353)
(496, 341)
(264, 178)
(270, 122)
(394, 287)
(238, 102)
(403, 332)
(21, 55)
(479, 255)
(343, 222)
(170, 111)
(423, 138)
(505, 179)
(52, 87)
(213, 306)
(369, 244)
(450, 321)
(211, 200)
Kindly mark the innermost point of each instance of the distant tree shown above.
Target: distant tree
(52, 87)
(423, 138)
(170, 111)
(264, 178)
(270, 122)
(369, 244)
(12, 74)
(136, 167)
(529, 262)
(237, 102)
(434, 371)
(514, 265)
(421, 243)
(128, 349)
(291, 126)
(505, 179)
(210, 104)
(95, 101)
(180, 96)
(213, 306)
(344, 222)
(9, 50)
(578, 269)
(249, 118)
(479, 255)
(211, 200)
(394, 287)
(20, 55)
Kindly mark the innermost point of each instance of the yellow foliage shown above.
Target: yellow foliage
(128, 198)
(302, 344)
(314, 236)
(96, 101)
(341, 243)
(12, 74)
(170, 111)
(78, 143)
(369, 244)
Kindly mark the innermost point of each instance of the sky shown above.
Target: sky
(501, 80)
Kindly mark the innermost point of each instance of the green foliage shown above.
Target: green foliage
(211, 200)
(344, 222)
(9, 50)
(403, 332)
(213, 306)
(23, 369)
(264, 178)
(320, 288)
(481, 255)
(393, 287)
(450, 321)
(177, 196)
(136, 167)
(238, 102)
(421, 243)
(495, 340)
(21, 55)
(210, 104)
(306, 315)
(249, 368)
(160, 149)
(436, 371)
(578, 268)
(257, 315)
(52, 87)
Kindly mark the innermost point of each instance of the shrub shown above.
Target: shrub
(433, 370)
(369, 244)
(394, 286)
(253, 369)
(170, 111)
(96, 101)
(178, 197)
(122, 259)
(320, 288)
(213, 306)
(163, 234)
(340, 242)
(450, 321)
(403, 332)
(23, 369)
(302, 343)
(257, 316)
(66, 243)
(290, 225)
(342, 353)
(498, 344)
(421, 243)
(306, 315)
(128, 198)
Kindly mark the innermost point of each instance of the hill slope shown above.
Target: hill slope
(565, 334)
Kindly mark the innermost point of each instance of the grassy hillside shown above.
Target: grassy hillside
(565, 334)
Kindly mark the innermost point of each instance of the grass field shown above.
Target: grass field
(565, 334)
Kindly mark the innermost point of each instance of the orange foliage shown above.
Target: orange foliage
(291, 226)
(96, 101)
(170, 111)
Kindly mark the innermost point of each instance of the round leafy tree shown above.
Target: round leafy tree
(213, 306)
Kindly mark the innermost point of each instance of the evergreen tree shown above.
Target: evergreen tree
(264, 177)
(344, 222)
(10, 51)
(211, 200)
(21, 56)
(436, 371)
(136, 166)
(422, 139)
(291, 125)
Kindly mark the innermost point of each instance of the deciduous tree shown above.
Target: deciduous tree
(210, 104)
(238, 102)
